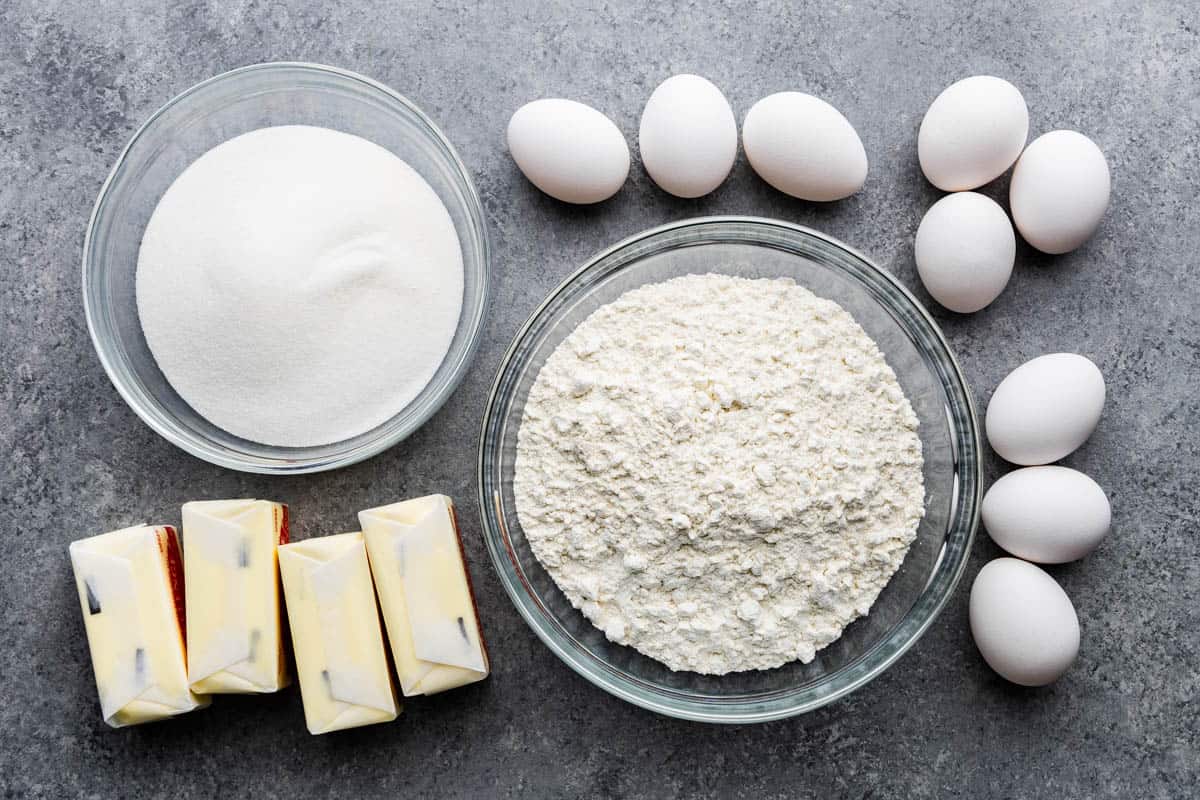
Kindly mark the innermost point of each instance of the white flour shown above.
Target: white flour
(722, 473)
(299, 286)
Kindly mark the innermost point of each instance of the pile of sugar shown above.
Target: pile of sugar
(298, 285)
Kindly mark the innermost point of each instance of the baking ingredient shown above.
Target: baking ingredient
(1050, 515)
(1045, 408)
(231, 582)
(299, 286)
(804, 147)
(965, 248)
(1023, 622)
(340, 658)
(130, 586)
(973, 131)
(569, 150)
(425, 594)
(719, 472)
(688, 136)
(1059, 191)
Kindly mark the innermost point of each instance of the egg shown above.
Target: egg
(965, 249)
(569, 150)
(688, 136)
(1045, 408)
(1023, 622)
(804, 147)
(973, 131)
(1059, 191)
(1050, 515)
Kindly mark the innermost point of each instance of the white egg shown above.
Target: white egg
(972, 132)
(804, 147)
(688, 136)
(1050, 515)
(1023, 622)
(569, 150)
(965, 249)
(1045, 408)
(1059, 191)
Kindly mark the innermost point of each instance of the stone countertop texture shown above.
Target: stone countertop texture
(77, 78)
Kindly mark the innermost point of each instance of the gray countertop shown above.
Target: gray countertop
(76, 78)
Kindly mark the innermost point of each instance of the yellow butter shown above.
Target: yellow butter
(234, 631)
(130, 591)
(425, 594)
(340, 658)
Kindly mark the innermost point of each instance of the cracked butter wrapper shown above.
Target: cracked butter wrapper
(340, 658)
(231, 582)
(130, 586)
(425, 594)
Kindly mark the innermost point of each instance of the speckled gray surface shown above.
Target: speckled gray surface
(76, 78)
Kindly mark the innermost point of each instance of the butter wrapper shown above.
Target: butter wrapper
(234, 632)
(340, 657)
(425, 594)
(130, 585)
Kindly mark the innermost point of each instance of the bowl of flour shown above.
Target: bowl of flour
(729, 470)
(287, 269)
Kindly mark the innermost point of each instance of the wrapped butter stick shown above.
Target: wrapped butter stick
(340, 657)
(425, 594)
(130, 586)
(231, 581)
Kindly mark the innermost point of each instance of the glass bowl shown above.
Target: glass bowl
(196, 121)
(929, 375)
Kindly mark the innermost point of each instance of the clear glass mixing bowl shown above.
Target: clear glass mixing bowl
(929, 375)
(188, 126)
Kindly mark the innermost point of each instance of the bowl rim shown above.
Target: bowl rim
(474, 325)
(698, 710)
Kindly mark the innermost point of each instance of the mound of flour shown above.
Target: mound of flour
(298, 285)
(722, 473)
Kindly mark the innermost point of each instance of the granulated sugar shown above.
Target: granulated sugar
(299, 286)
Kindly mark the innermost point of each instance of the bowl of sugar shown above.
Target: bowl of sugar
(287, 269)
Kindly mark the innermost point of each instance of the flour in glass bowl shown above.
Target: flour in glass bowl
(720, 472)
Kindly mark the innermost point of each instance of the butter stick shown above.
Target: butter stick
(425, 594)
(231, 580)
(340, 658)
(130, 586)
